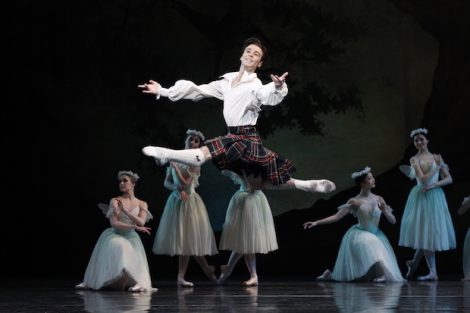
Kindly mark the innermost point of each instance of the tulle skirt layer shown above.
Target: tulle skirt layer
(426, 222)
(185, 228)
(117, 254)
(360, 250)
(249, 225)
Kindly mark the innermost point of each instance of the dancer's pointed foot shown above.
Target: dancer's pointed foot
(81, 286)
(322, 185)
(430, 277)
(325, 276)
(137, 288)
(210, 273)
(225, 272)
(410, 264)
(183, 283)
(253, 281)
(380, 279)
(158, 153)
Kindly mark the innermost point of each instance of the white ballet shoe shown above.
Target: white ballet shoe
(251, 282)
(225, 272)
(183, 283)
(81, 286)
(325, 186)
(159, 154)
(325, 276)
(322, 185)
(380, 279)
(430, 277)
(136, 288)
(209, 271)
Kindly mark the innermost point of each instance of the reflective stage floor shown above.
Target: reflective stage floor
(269, 296)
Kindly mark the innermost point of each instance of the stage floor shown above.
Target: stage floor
(269, 296)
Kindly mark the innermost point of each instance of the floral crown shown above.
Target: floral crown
(194, 132)
(128, 173)
(417, 131)
(365, 171)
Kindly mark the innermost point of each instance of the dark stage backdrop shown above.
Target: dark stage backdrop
(361, 76)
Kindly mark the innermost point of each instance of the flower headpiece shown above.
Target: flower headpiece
(128, 173)
(194, 132)
(365, 171)
(417, 131)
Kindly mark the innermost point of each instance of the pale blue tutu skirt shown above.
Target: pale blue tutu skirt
(426, 222)
(360, 250)
(114, 253)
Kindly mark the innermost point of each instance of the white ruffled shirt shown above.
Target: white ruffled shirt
(242, 103)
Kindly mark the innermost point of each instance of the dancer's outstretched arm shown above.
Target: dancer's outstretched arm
(183, 89)
(328, 220)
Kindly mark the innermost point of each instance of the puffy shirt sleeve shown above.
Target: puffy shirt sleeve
(185, 89)
(269, 95)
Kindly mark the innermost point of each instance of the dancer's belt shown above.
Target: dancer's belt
(243, 130)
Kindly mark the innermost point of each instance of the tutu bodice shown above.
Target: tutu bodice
(368, 215)
(424, 165)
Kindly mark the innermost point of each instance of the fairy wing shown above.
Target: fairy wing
(105, 209)
(406, 169)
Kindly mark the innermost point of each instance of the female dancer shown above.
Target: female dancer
(426, 225)
(466, 246)
(248, 227)
(118, 260)
(184, 228)
(365, 253)
(243, 95)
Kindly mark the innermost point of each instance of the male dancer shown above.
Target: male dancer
(243, 95)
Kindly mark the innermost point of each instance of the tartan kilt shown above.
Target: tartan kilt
(242, 148)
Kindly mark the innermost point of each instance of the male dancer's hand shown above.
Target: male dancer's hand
(279, 80)
(152, 87)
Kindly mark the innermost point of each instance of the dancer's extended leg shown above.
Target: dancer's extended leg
(182, 267)
(412, 264)
(430, 257)
(250, 260)
(191, 157)
(209, 270)
(322, 185)
(226, 270)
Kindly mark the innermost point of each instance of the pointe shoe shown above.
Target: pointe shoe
(430, 277)
(136, 288)
(183, 283)
(325, 276)
(81, 286)
(380, 279)
(209, 272)
(224, 274)
(251, 282)
(322, 185)
(410, 264)
(325, 186)
(157, 153)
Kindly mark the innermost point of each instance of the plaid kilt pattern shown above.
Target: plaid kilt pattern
(242, 148)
